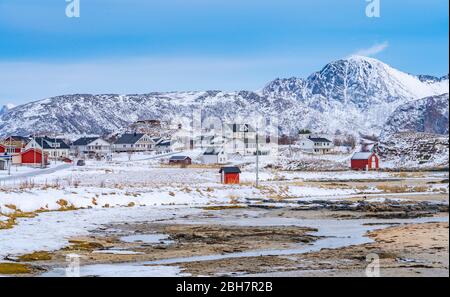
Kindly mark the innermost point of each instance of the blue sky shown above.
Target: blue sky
(138, 46)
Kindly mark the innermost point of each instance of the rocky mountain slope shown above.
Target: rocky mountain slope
(428, 115)
(416, 135)
(414, 150)
(357, 94)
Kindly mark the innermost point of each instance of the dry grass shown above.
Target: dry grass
(65, 206)
(81, 245)
(408, 174)
(297, 183)
(401, 188)
(8, 224)
(14, 268)
(36, 256)
(335, 185)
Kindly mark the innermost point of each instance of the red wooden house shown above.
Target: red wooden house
(365, 161)
(9, 149)
(33, 156)
(229, 175)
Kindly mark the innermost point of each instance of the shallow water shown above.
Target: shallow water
(155, 238)
(337, 234)
(120, 270)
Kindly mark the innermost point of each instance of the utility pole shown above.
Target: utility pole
(34, 147)
(42, 153)
(11, 152)
(9, 160)
(257, 157)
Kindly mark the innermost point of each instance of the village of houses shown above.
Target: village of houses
(237, 141)
(82, 195)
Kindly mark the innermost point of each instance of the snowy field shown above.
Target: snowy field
(42, 209)
(143, 181)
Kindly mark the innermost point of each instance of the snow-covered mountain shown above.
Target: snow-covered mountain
(428, 115)
(356, 94)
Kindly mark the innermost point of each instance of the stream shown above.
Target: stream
(335, 233)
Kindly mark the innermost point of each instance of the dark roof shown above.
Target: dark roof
(211, 152)
(131, 138)
(179, 158)
(232, 169)
(163, 143)
(48, 142)
(84, 140)
(319, 139)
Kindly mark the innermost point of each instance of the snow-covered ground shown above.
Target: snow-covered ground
(141, 188)
(51, 230)
(143, 182)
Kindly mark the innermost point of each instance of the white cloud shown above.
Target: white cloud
(373, 50)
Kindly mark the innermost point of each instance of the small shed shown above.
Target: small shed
(230, 175)
(365, 161)
(180, 160)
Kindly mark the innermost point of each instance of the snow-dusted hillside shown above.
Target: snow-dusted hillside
(429, 115)
(414, 150)
(354, 95)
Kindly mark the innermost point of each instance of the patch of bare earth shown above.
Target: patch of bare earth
(410, 250)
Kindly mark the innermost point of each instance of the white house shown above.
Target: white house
(214, 156)
(134, 142)
(316, 145)
(91, 145)
(54, 147)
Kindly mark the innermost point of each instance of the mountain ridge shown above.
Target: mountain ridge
(353, 94)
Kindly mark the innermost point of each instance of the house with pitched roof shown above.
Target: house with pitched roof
(316, 145)
(134, 142)
(90, 146)
(53, 147)
(214, 156)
